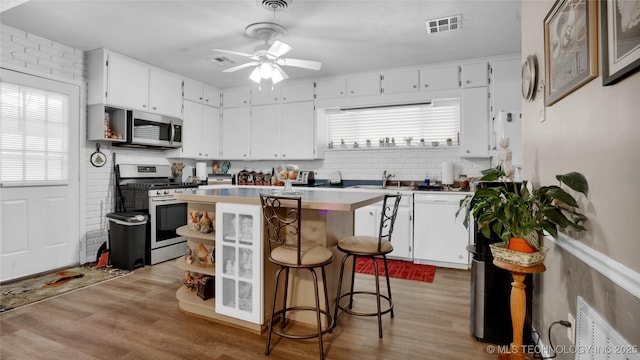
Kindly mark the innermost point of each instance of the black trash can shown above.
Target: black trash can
(127, 237)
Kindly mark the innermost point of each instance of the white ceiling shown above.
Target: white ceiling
(347, 36)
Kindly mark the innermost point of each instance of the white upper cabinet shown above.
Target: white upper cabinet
(297, 128)
(363, 85)
(165, 93)
(236, 97)
(265, 132)
(201, 93)
(440, 78)
(120, 81)
(282, 131)
(128, 82)
(265, 95)
(505, 81)
(475, 74)
(330, 88)
(474, 123)
(297, 91)
(398, 82)
(235, 133)
(200, 132)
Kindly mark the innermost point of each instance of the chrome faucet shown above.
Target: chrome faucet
(385, 178)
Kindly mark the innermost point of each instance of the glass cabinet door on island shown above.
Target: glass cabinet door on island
(239, 261)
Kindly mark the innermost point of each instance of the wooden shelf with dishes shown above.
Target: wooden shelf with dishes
(201, 263)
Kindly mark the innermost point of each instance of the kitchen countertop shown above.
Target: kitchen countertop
(312, 198)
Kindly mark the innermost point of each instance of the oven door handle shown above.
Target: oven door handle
(166, 201)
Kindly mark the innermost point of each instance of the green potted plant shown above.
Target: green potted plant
(521, 211)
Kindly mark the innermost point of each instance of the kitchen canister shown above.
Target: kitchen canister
(447, 173)
(201, 170)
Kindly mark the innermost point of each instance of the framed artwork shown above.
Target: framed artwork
(570, 47)
(620, 34)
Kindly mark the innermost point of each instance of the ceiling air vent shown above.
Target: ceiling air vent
(275, 5)
(444, 24)
(222, 60)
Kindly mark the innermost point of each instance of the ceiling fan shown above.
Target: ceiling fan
(267, 57)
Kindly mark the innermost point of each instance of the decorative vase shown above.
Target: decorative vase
(520, 244)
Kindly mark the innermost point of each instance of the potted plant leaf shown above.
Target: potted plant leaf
(520, 211)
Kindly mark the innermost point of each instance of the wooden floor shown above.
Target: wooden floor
(136, 317)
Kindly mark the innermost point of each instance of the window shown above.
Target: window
(435, 121)
(34, 132)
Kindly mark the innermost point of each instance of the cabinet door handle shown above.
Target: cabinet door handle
(154, 108)
(284, 155)
(144, 106)
(426, 85)
(415, 86)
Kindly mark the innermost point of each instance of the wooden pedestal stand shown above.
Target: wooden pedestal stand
(518, 302)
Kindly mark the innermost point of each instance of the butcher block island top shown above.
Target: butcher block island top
(327, 216)
(311, 199)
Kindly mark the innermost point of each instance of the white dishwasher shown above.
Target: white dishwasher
(439, 238)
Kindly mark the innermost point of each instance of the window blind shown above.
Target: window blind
(437, 121)
(34, 132)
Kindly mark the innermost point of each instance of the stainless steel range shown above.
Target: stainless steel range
(149, 189)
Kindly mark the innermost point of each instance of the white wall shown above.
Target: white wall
(594, 130)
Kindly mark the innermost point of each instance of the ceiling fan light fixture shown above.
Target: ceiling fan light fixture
(277, 75)
(265, 70)
(255, 75)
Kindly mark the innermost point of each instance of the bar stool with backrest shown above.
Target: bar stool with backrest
(374, 248)
(282, 220)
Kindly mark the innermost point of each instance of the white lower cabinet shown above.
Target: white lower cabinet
(239, 280)
(367, 222)
(440, 238)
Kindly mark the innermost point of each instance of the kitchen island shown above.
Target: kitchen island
(244, 277)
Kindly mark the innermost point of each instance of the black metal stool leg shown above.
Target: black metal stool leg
(283, 322)
(273, 310)
(353, 279)
(319, 322)
(375, 269)
(386, 271)
(335, 313)
(326, 300)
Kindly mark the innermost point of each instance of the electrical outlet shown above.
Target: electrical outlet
(571, 331)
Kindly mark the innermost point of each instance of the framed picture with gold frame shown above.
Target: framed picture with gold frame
(570, 47)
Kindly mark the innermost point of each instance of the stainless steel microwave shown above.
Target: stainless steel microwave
(146, 129)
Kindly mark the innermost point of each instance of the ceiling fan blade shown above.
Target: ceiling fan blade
(242, 66)
(279, 48)
(233, 52)
(307, 64)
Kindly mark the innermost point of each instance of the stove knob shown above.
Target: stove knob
(166, 192)
(159, 192)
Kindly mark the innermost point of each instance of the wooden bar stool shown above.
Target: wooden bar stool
(373, 248)
(282, 220)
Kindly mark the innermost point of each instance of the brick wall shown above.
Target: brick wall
(38, 55)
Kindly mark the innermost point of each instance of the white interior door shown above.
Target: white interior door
(39, 185)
